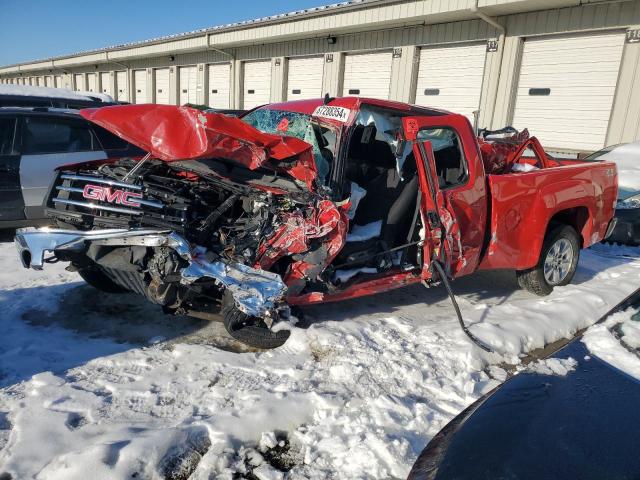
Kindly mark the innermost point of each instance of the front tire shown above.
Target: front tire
(557, 264)
(98, 280)
(247, 329)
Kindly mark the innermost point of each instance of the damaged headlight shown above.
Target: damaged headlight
(629, 203)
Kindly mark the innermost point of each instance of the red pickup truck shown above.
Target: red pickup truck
(314, 201)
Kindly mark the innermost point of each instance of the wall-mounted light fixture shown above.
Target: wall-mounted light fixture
(331, 40)
(171, 58)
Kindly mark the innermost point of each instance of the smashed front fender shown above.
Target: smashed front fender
(256, 292)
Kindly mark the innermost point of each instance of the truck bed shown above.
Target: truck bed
(523, 204)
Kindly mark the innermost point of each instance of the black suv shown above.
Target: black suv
(33, 143)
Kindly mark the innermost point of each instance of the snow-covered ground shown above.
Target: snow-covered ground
(105, 387)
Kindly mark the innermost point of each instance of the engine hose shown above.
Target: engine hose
(209, 222)
(447, 285)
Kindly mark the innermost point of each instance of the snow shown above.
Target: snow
(553, 366)
(105, 97)
(523, 167)
(360, 233)
(627, 160)
(27, 90)
(342, 276)
(617, 342)
(105, 386)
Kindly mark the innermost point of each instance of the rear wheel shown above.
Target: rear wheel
(557, 264)
(247, 329)
(100, 281)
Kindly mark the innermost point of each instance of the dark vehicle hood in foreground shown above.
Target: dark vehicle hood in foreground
(171, 133)
(584, 425)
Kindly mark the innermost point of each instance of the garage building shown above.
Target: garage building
(569, 70)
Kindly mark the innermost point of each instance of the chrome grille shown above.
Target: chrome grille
(103, 181)
(72, 193)
(93, 206)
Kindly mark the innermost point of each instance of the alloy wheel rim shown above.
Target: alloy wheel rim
(558, 261)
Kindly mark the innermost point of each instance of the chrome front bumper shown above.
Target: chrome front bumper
(256, 292)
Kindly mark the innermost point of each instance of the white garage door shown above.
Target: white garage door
(566, 89)
(140, 86)
(305, 78)
(48, 81)
(78, 82)
(219, 77)
(57, 81)
(39, 81)
(451, 78)
(91, 82)
(162, 86)
(105, 83)
(121, 87)
(257, 84)
(367, 75)
(188, 85)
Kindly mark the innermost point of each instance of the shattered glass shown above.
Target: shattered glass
(299, 125)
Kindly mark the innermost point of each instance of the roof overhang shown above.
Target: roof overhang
(353, 16)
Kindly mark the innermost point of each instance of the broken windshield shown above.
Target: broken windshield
(321, 137)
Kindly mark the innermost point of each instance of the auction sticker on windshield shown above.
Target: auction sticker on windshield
(334, 113)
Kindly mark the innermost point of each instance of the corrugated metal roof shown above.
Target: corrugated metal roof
(219, 28)
(295, 23)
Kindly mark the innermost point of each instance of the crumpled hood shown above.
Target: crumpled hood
(171, 133)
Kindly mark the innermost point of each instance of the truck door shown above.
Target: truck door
(11, 203)
(446, 149)
(440, 231)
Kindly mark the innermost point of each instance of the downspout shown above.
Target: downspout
(501, 38)
(490, 20)
(232, 61)
(113, 61)
(230, 55)
(129, 84)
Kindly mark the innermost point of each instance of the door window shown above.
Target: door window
(451, 165)
(55, 135)
(7, 132)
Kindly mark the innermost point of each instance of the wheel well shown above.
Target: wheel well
(576, 217)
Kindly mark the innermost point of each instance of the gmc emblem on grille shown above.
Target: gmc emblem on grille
(105, 194)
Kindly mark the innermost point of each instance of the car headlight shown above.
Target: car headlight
(629, 203)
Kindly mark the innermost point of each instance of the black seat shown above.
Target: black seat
(449, 166)
(398, 221)
(391, 197)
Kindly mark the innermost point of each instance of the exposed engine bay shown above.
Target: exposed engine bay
(258, 238)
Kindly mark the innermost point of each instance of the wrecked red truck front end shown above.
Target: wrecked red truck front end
(218, 216)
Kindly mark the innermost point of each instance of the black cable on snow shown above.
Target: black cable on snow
(447, 285)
